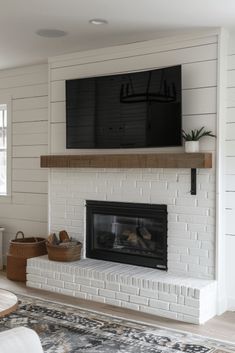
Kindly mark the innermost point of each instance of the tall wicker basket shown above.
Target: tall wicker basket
(20, 250)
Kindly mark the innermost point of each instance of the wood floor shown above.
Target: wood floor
(220, 327)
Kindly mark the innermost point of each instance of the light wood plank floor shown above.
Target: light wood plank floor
(220, 327)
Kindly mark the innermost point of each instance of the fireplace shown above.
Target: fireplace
(131, 233)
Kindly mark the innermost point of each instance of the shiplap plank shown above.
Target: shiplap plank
(26, 92)
(199, 101)
(230, 182)
(196, 121)
(30, 186)
(231, 62)
(135, 63)
(30, 127)
(24, 80)
(230, 148)
(30, 103)
(230, 97)
(230, 200)
(231, 44)
(201, 74)
(58, 138)
(230, 131)
(29, 139)
(27, 212)
(25, 70)
(30, 115)
(135, 49)
(58, 112)
(30, 199)
(29, 175)
(29, 151)
(26, 163)
(230, 165)
(230, 224)
(231, 78)
(230, 116)
(57, 91)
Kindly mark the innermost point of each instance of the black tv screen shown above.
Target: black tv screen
(133, 110)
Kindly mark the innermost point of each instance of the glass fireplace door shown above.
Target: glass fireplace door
(128, 233)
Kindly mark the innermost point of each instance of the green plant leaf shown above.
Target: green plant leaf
(196, 134)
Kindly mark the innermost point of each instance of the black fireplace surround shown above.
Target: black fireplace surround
(131, 233)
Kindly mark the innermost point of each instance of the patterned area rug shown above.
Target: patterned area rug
(66, 329)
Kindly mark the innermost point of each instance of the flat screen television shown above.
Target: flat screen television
(131, 110)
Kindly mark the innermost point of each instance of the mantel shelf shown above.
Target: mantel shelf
(148, 160)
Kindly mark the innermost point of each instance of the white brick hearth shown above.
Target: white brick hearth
(141, 289)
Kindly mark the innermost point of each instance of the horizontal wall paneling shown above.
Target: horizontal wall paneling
(27, 208)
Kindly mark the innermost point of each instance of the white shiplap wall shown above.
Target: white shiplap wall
(230, 174)
(192, 240)
(27, 208)
(198, 58)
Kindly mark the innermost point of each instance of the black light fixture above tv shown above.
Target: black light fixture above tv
(131, 110)
(165, 94)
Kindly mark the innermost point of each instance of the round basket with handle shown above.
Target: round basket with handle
(27, 247)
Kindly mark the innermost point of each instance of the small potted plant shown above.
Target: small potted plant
(192, 139)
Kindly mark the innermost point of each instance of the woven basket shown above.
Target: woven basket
(16, 268)
(20, 250)
(27, 247)
(63, 253)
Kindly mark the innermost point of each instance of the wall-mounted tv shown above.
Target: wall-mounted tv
(131, 110)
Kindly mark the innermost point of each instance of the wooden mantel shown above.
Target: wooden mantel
(148, 160)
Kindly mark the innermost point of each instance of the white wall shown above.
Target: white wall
(27, 208)
(191, 218)
(230, 174)
(199, 65)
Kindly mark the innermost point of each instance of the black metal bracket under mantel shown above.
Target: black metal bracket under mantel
(193, 181)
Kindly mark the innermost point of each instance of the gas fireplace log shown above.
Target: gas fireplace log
(134, 239)
(144, 233)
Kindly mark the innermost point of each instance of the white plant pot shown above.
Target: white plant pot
(191, 146)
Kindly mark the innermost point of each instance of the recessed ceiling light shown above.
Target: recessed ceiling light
(50, 33)
(98, 21)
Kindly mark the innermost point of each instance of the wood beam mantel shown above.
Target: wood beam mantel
(148, 160)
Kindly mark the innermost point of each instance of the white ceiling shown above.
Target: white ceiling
(129, 21)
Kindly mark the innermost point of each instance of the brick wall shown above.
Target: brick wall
(191, 219)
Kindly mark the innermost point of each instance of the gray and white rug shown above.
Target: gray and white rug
(67, 329)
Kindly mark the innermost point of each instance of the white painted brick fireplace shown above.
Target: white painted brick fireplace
(191, 219)
(188, 290)
(183, 292)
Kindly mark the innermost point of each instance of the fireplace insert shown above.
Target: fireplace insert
(132, 233)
